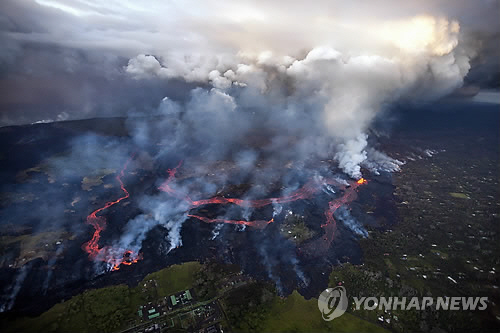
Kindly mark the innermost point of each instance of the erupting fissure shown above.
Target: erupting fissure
(113, 256)
(305, 192)
(330, 226)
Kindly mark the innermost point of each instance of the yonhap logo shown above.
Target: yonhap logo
(332, 303)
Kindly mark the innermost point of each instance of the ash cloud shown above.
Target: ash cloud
(269, 89)
(85, 49)
(118, 60)
(334, 89)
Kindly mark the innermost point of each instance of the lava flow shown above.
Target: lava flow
(305, 192)
(114, 257)
(330, 226)
(260, 224)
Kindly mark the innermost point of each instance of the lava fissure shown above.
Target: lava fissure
(260, 224)
(305, 192)
(330, 226)
(113, 256)
(117, 256)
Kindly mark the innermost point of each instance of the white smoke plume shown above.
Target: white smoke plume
(377, 161)
(10, 294)
(157, 212)
(277, 209)
(304, 88)
(327, 69)
(216, 231)
(286, 80)
(350, 222)
(339, 86)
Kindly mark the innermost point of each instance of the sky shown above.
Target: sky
(77, 59)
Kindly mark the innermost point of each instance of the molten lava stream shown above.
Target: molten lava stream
(321, 245)
(115, 257)
(259, 224)
(305, 192)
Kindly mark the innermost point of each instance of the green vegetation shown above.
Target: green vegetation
(296, 314)
(99, 310)
(209, 278)
(106, 309)
(248, 307)
(24, 175)
(445, 243)
(43, 167)
(295, 229)
(256, 308)
(175, 278)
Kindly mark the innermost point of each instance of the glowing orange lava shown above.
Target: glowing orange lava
(114, 257)
(305, 192)
(321, 245)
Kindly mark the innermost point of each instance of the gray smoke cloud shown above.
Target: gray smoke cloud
(80, 47)
(10, 293)
(327, 92)
(266, 88)
(335, 89)
(350, 222)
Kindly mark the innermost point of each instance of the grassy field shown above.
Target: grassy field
(175, 278)
(296, 314)
(106, 309)
(111, 309)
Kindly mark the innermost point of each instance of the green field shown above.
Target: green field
(114, 308)
(175, 278)
(106, 309)
(296, 314)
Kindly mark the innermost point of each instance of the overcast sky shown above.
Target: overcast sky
(73, 59)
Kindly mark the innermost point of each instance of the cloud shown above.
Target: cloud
(329, 68)
(85, 48)
(144, 66)
(492, 97)
(337, 91)
(269, 85)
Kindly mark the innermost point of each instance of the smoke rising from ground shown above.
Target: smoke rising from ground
(333, 92)
(294, 101)
(269, 89)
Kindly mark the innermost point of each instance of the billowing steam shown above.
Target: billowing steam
(335, 89)
(9, 295)
(350, 222)
(315, 96)
(266, 87)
